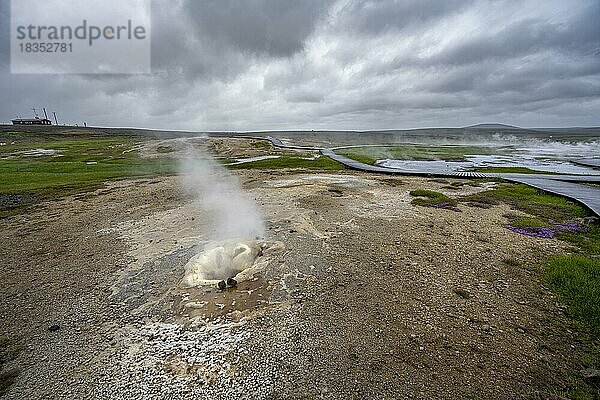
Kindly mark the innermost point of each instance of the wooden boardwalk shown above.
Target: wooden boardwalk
(571, 186)
(588, 162)
(587, 195)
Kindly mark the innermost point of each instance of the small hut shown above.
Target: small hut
(31, 121)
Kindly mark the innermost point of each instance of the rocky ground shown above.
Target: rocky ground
(371, 297)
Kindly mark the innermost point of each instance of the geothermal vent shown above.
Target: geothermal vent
(220, 261)
(233, 220)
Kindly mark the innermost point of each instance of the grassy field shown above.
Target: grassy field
(527, 222)
(429, 198)
(320, 163)
(26, 176)
(369, 155)
(575, 277)
(83, 162)
(363, 158)
(41, 165)
(50, 166)
(531, 201)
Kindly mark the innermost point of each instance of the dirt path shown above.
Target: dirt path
(362, 303)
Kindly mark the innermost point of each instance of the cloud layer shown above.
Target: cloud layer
(314, 64)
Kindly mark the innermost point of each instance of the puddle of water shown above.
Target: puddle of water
(35, 153)
(529, 161)
(424, 166)
(38, 152)
(209, 304)
(251, 159)
(535, 154)
(540, 164)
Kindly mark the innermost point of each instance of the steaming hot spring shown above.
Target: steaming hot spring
(222, 260)
(233, 218)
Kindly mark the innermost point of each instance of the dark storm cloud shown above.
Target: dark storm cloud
(181, 52)
(533, 61)
(276, 28)
(220, 38)
(377, 16)
(580, 36)
(490, 78)
(340, 64)
(456, 80)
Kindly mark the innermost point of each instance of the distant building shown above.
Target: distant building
(31, 121)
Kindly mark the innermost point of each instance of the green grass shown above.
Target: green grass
(587, 243)
(75, 147)
(527, 222)
(576, 391)
(429, 198)
(84, 164)
(369, 154)
(320, 163)
(531, 201)
(576, 279)
(20, 176)
(261, 144)
(362, 158)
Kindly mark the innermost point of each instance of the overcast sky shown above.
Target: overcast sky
(318, 64)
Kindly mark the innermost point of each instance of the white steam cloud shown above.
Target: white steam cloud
(233, 214)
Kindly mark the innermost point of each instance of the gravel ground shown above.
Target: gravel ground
(362, 303)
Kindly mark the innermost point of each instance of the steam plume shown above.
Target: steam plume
(234, 215)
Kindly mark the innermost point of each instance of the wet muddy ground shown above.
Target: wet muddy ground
(371, 297)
